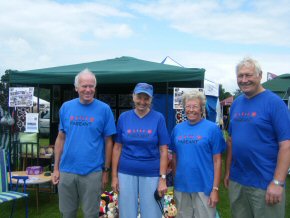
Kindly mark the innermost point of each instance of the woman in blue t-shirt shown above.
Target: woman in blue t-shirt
(140, 157)
(197, 145)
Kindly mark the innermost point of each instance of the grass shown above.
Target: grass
(43, 141)
(48, 205)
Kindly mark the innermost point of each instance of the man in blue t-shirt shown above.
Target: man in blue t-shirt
(258, 154)
(85, 134)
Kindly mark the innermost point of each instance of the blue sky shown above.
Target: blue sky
(209, 34)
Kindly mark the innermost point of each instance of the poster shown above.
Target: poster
(177, 95)
(31, 124)
(21, 96)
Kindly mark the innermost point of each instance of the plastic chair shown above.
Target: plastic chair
(6, 192)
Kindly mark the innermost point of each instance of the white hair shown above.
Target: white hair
(195, 95)
(85, 71)
(249, 62)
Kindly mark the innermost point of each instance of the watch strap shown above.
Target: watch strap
(162, 176)
(279, 183)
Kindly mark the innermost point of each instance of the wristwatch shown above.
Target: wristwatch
(215, 188)
(277, 182)
(162, 176)
(106, 169)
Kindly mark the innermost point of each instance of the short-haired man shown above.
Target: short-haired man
(258, 153)
(85, 134)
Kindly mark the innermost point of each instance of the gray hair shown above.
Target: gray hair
(192, 96)
(249, 62)
(85, 71)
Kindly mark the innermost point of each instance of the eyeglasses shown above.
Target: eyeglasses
(188, 107)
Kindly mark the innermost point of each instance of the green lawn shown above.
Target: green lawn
(43, 141)
(48, 205)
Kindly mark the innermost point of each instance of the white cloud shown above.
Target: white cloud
(113, 31)
(17, 45)
(31, 29)
(242, 22)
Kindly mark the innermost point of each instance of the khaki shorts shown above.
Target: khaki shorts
(193, 205)
(250, 202)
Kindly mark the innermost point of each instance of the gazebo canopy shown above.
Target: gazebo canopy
(112, 71)
(279, 85)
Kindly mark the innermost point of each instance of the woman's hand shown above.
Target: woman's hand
(162, 187)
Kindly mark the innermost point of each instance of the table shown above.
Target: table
(32, 180)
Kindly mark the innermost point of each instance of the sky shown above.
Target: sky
(210, 34)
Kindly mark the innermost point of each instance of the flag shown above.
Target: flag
(271, 76)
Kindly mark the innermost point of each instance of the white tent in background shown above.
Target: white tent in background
(169, 61)
(44, 106)
(41, 101)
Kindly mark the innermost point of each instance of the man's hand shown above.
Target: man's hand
(55, 177)
(115, 184)
(105, 179)
(213, 198)
(274, 194)
(226, 180)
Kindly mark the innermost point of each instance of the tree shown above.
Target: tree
(237, 92)
(222, 93)
(4, 90)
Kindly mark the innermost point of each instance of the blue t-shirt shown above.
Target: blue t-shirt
(85, 127)
(195, 145)
(257, 125)
(140, 139)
